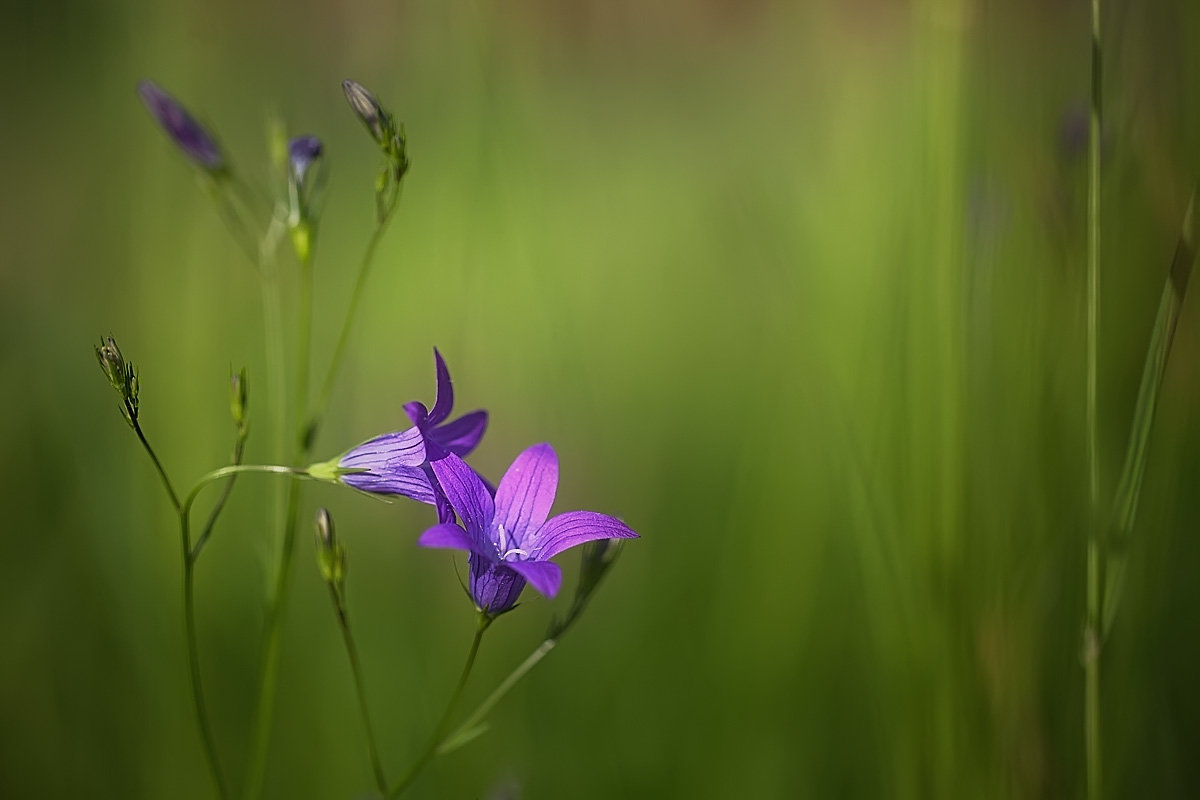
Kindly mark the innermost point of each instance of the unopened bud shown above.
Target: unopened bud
(331, 554)
(238, 398)
(112, 362)
(367, 108)
(121, 376)
(190, 136)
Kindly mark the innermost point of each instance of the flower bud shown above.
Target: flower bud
(304, 185)
(112, 362)
(366, 107)
(121, 376)
(189, 135)
(331, 554)
(238, 398)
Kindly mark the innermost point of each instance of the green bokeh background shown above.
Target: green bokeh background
(796, 289)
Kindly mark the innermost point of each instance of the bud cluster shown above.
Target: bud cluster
(121, 375)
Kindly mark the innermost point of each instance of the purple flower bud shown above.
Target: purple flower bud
(303, 152)
(191, 137)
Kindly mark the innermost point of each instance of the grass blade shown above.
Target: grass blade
(1136, 453)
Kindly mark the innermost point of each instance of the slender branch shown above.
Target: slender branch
(439, 733)
(189, 622)
(1092, 640)
(339, 349)
(239, 449)
(162, 473)
(359, 688)
(477, 716)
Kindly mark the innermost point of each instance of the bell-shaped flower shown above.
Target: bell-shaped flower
(398, 463)
(510, 539)
(190, 136)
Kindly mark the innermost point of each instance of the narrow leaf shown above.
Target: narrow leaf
(1129, 489)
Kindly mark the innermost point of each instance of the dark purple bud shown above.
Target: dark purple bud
(364, 104)
(189, 135)
(303, 152)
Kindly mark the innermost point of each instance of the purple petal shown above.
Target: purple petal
(575, 528)
(463, 434)
(445, 391)
(455, 538)
(494, 586)
(399, 449)
(189, 135)
(466, 493)
(303, 151)
(525, 494)
(410, 482)
(545, 576)
(417, 413)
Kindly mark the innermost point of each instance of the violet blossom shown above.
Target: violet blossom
(509, 538)
(398, 463)
(190, 136)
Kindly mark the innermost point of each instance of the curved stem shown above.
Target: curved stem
(162, 473)
(360, 689)
(439, 732)
(236, 469)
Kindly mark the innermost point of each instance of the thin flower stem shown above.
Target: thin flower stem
(303, 350)
(239, 449)
(268, 673)
(1092, 634)
(189, 616)
(359, 688)
(269, 664)
(439, 733)
(193, 648)
(339, 349)
(497, 694)
(162, 473)
(236, 469)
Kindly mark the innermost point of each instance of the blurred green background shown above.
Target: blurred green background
(796, 289)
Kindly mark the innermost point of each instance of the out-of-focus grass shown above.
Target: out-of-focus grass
(798, 293)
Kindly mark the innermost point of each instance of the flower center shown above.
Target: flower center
(503, 549)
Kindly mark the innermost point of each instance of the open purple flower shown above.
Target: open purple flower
(509, 538)
(398, 463)
(189, 135)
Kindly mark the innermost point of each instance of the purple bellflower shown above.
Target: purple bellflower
(509, 538)
(398, 463)
(189, 135)
(303, 152)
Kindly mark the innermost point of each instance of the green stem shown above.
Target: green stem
(303, 349)
(162, 473)
(359, 688)
(339, 349)
(439, 733)
(239, 449)
(1092, 641)
(497, 694)
(273, 629)
(236, 469)
(189, 622)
